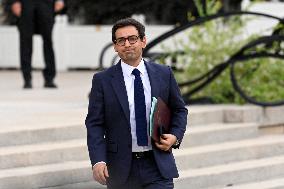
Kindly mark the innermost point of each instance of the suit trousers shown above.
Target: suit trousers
(144, 174)
(37, 17)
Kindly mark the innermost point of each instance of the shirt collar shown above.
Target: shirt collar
(127, 69)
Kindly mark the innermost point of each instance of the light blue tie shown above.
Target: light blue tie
(140, 110)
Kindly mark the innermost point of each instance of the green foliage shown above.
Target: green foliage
(211, 7)
(262, 78)
(214, 42)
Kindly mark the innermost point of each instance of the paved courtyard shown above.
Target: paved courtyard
(39, 106)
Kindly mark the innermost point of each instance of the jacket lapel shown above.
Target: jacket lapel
(154, 79)
(120, 90)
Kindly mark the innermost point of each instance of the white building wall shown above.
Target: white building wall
(74, 46)
(80, 46)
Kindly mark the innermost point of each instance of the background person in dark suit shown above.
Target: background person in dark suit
(36, 16)
(123, 156)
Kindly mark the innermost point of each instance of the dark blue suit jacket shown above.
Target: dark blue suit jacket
(108, 126)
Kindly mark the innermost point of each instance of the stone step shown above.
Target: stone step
(59, 151)
(49, 132)
(81, 185)
(266, 184)
(44, 176)
(76, 149)
(224, 153)
(206, 114)
(64, 174)
(28, 135)
(232, 174)
(198, 115)
(43, 153)
(218, 132)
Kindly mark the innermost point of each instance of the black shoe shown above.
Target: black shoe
(27, 85)
(50, 84)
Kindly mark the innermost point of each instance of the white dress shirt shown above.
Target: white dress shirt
(129, 84)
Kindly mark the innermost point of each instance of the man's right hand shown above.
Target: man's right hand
(100, 173)
(17, 9)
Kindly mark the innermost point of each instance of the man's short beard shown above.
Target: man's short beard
(130, 56)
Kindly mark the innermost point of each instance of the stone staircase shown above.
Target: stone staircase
(230, 153)
(222, 149)
(44, 157)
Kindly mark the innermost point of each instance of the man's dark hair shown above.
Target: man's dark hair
(128, 22)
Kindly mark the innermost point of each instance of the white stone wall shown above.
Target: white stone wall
(80, 46)
(263, 24)
(75, 46)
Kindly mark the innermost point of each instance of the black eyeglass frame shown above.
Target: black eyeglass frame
(123, 40)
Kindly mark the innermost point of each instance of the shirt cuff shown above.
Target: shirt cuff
(98, 163)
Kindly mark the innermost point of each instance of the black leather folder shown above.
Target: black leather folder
(162, 120)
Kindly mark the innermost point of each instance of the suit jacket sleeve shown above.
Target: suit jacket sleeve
(179, 111)
(95, 123)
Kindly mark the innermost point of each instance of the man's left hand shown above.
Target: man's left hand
(166, 142)
(58, 6)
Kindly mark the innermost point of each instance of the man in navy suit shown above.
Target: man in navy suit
(122, 157)
(36, 16)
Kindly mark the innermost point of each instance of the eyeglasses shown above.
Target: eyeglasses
(131, 39)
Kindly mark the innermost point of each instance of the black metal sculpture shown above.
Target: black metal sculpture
(246, 53)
